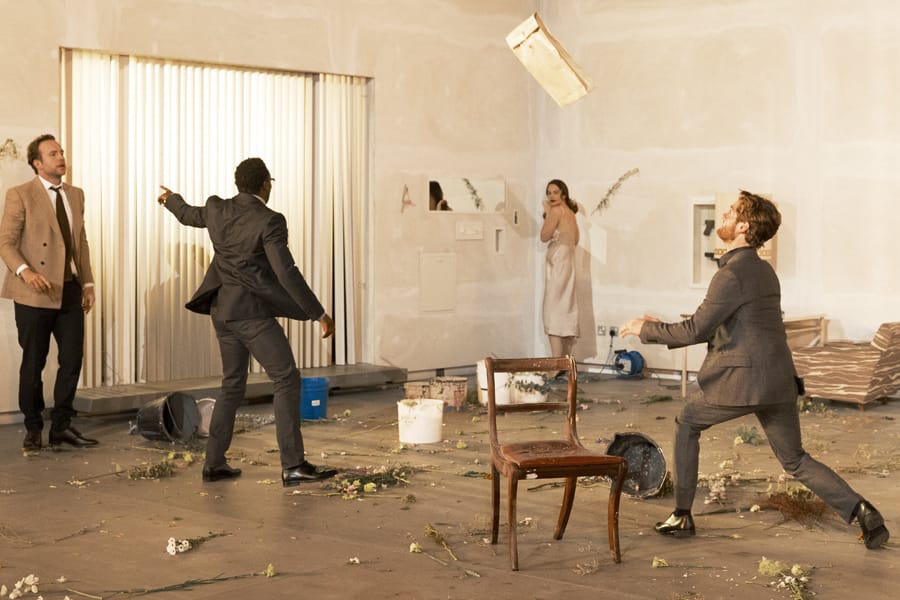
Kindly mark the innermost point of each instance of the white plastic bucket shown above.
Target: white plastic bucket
(420, 420)
(528, 388)
(501, 385)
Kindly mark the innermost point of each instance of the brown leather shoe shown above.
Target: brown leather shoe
(70, 436)
(32, 440)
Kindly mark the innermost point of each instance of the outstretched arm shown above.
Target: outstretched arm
(194, 216)
(289, 276)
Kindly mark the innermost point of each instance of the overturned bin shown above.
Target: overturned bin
(645, 460)
(172, 418)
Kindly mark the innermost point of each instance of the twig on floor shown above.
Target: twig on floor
(81, 531)
(430, 531)
(76, 592)
(434, 558)
(720, 511)
(188, 584)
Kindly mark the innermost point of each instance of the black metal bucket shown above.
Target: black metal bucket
(646, 463)
(172, 418)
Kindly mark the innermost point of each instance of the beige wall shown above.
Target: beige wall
(796, 99)
(449, 99)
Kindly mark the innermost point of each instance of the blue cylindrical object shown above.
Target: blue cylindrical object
(313, 397)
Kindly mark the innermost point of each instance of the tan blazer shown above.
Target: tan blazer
(30, 234)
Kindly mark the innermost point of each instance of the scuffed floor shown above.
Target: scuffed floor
(77, 515)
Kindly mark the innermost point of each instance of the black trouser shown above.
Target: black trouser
(35, 326)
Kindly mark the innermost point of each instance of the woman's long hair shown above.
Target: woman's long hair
(565, 193)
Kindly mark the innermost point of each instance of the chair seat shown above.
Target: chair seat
(552, 453)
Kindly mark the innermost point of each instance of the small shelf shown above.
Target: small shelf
(703, 218)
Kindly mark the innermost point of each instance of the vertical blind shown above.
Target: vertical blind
(131, 124)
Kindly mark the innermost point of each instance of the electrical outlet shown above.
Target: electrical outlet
(613, 331)
(601, 330)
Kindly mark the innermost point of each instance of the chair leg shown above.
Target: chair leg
(513, 542)
(612, 525)
(566, 509)
(495, 504)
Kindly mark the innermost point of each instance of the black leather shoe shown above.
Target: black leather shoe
(677, 526)
(219, 473)
(875, 534)
(70, 436)
(32, 440)
(303, 473)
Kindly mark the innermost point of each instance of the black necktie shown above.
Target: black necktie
(66, 231)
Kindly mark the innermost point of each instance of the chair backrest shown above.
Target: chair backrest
(525, 365)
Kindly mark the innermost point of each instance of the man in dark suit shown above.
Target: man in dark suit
(252, 280)
(45, 247)
(748, 370)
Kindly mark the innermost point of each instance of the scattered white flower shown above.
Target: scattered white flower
(175, 546)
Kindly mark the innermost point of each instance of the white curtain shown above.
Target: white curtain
(132, 124)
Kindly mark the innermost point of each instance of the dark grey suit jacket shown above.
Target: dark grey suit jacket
(748, 361)
(253, 274)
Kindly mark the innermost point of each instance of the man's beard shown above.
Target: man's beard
(726, 233)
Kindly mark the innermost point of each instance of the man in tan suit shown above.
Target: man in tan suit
(748, 370)
(44, 245)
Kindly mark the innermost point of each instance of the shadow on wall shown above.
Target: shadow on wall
(15, 171)
(587, 345)
(180, 344)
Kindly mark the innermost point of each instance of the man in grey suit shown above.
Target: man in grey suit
(252, 280)
(748, 370)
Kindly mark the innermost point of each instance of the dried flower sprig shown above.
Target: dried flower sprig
(176, 546)
(615, 187)
(476, 199)
(369, 480)
(154, 471)
(794, 578)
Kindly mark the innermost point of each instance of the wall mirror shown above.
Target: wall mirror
(466, 195)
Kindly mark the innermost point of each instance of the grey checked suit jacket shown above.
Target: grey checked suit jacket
(748, 361)
(253, 274)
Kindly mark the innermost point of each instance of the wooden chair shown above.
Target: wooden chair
(546, 458)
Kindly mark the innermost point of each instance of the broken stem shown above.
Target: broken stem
(83, 594)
